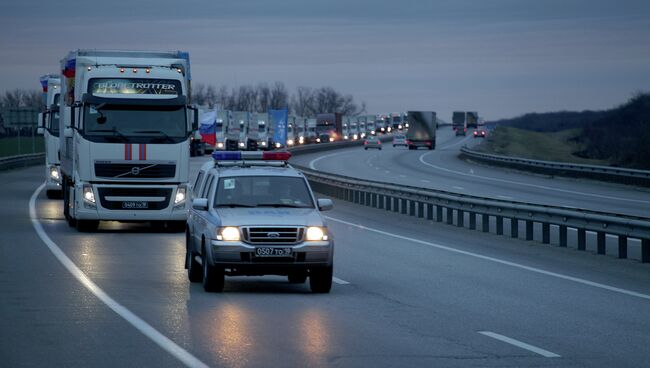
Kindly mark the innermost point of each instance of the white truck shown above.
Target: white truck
(258, 132)
(235, 131)
(125, 134)
(49, 127)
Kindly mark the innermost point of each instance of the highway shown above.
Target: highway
(442, 169)
(408, 292)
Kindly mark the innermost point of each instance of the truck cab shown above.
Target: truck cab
(49, 127)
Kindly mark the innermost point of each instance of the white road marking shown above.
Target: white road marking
(505, 197)
(530, 185)
(312, 163)
(387, 172)
(425, 181)
(161, 340)
(520, 344)
(497, 260)
(458, 188)
(402, 176)
(339, 281)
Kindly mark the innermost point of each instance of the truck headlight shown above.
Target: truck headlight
(242, 144)
(88, 194)
(290, 142)
(54, 173)
(315, 233)
(219, 145)
(181, 193)
(228, 233)
(263, 143)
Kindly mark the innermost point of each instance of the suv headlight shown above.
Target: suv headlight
(181, 194)
(315, 233)
(228, 233)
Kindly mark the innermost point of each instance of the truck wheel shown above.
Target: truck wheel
(66, 205)
(320, 279)
(213, 277)
(86, 226)
(297, 277)
(194, 271)
(53, 194)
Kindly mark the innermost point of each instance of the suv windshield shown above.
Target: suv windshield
(263, 191)
(135, 124)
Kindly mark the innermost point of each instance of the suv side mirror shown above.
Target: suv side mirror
(325, 204)
(200, 204)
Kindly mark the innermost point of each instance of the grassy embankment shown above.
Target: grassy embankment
(556, 146)
(20, 146)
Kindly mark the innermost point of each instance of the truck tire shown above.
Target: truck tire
(66, 204)
(194, 271)
(54, 194)
(320, 279)
(213, 277)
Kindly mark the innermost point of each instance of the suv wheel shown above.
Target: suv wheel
(194, 271)
(320, 279)
(213, 277)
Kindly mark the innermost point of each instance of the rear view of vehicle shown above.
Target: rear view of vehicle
(458, 123)
(422, 129)
(479, 133)
(399, 140)
(255, 215)
(371, 141)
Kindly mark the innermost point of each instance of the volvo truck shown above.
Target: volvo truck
(125, 124)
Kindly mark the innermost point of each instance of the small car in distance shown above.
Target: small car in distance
(371, 141)
(399, 140)
(479, 133)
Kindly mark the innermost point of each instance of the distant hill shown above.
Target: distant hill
(620, 135)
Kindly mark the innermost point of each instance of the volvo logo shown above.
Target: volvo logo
(273, 235)
(135, 170)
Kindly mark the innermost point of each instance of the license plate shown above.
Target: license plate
(135, 205)
(273, 252)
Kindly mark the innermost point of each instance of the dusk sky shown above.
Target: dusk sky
(498, 57)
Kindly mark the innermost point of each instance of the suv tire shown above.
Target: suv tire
(320, 279)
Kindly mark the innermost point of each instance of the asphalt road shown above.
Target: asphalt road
(409, 293)
(442, 169)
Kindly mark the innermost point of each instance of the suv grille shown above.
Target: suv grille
(273, 235)
(143, 171)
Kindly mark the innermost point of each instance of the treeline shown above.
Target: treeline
(304, 101)
(21, 98)
(620, 135)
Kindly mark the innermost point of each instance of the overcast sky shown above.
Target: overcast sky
(499, 57)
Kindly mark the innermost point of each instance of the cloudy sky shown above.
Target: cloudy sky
(499, 57)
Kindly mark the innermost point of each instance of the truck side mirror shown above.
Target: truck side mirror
(39, 129)
(195, 118)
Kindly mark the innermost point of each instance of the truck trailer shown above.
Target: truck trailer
(459, 123)
(422, 129)
(125, 134)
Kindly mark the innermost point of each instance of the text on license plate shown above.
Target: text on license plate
(273, 252)
(135, 204)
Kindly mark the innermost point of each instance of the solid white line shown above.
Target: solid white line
(555, 189)
(459, 188)
(161, 340)
(520, 344)
(339, 281)
(312, 163)
(497, 260)
(504, 197)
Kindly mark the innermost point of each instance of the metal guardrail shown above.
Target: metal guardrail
(605, 173)
(12, 162)
(455, 209)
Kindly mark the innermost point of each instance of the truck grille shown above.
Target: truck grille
(273, 235)
(137, 171)
(160, 198)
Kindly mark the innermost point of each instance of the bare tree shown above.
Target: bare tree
(302, 102)
(263, 97)
(279, 96)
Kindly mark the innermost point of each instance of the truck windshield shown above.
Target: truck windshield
(135, 124)
(262, 191)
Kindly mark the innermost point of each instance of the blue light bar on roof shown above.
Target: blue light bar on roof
(253, 155)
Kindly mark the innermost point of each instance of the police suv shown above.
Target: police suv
(253, 214)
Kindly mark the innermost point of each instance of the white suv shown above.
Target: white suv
(253, 214)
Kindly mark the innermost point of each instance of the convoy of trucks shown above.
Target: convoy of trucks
(125, 125)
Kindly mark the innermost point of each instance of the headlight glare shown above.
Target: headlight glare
(88, 194)
(180, 195)
(229, 233)
(54, 173)
(315, 233)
